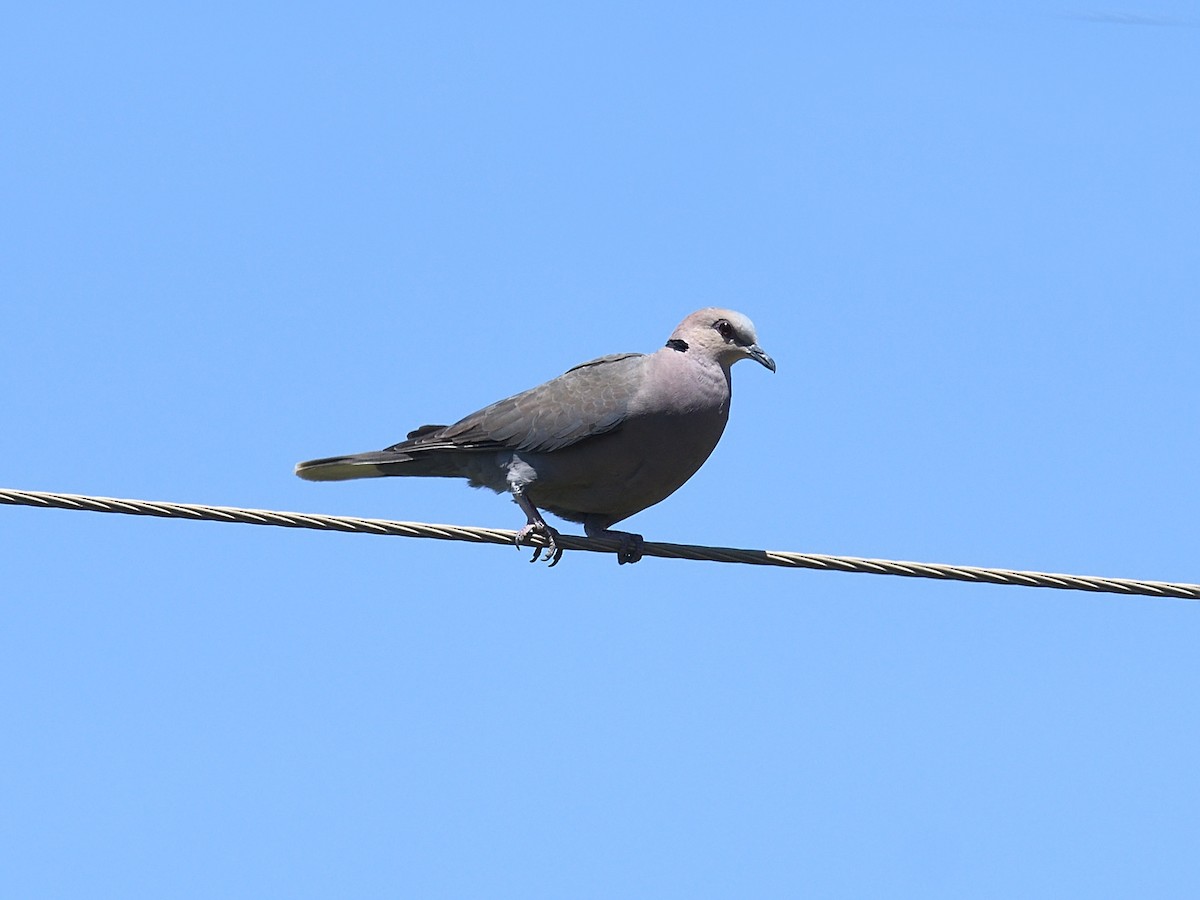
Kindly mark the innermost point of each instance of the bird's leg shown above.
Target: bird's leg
(630, 550)
(536, 525)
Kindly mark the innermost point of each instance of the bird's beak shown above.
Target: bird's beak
(757, 354)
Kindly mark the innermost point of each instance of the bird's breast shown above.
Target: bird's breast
(646, 459)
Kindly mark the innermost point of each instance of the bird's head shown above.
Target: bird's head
(721, 335)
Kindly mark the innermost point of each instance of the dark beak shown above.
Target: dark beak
(757, 354)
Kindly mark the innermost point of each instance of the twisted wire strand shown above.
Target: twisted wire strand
(320, 522)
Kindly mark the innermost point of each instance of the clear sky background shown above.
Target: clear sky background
(236, 236)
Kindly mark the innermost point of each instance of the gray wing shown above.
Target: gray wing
(588, 400)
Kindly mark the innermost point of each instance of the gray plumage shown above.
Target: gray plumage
(599, 443)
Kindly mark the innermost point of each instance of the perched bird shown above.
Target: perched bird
(595, 445)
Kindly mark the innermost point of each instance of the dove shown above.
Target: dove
(599, 443)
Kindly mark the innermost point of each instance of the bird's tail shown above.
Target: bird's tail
(358, 465)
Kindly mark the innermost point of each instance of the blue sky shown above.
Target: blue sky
(236, 237)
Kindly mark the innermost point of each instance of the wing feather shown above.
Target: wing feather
(591, 399)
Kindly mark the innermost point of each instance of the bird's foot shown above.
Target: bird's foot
(630, 549)
(552, 551)
(536, 525)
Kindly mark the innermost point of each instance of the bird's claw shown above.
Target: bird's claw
(629, 546)
(553, 552)
(630, 550)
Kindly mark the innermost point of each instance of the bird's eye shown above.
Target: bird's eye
(724, 328)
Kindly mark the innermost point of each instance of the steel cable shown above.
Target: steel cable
(476, 535)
